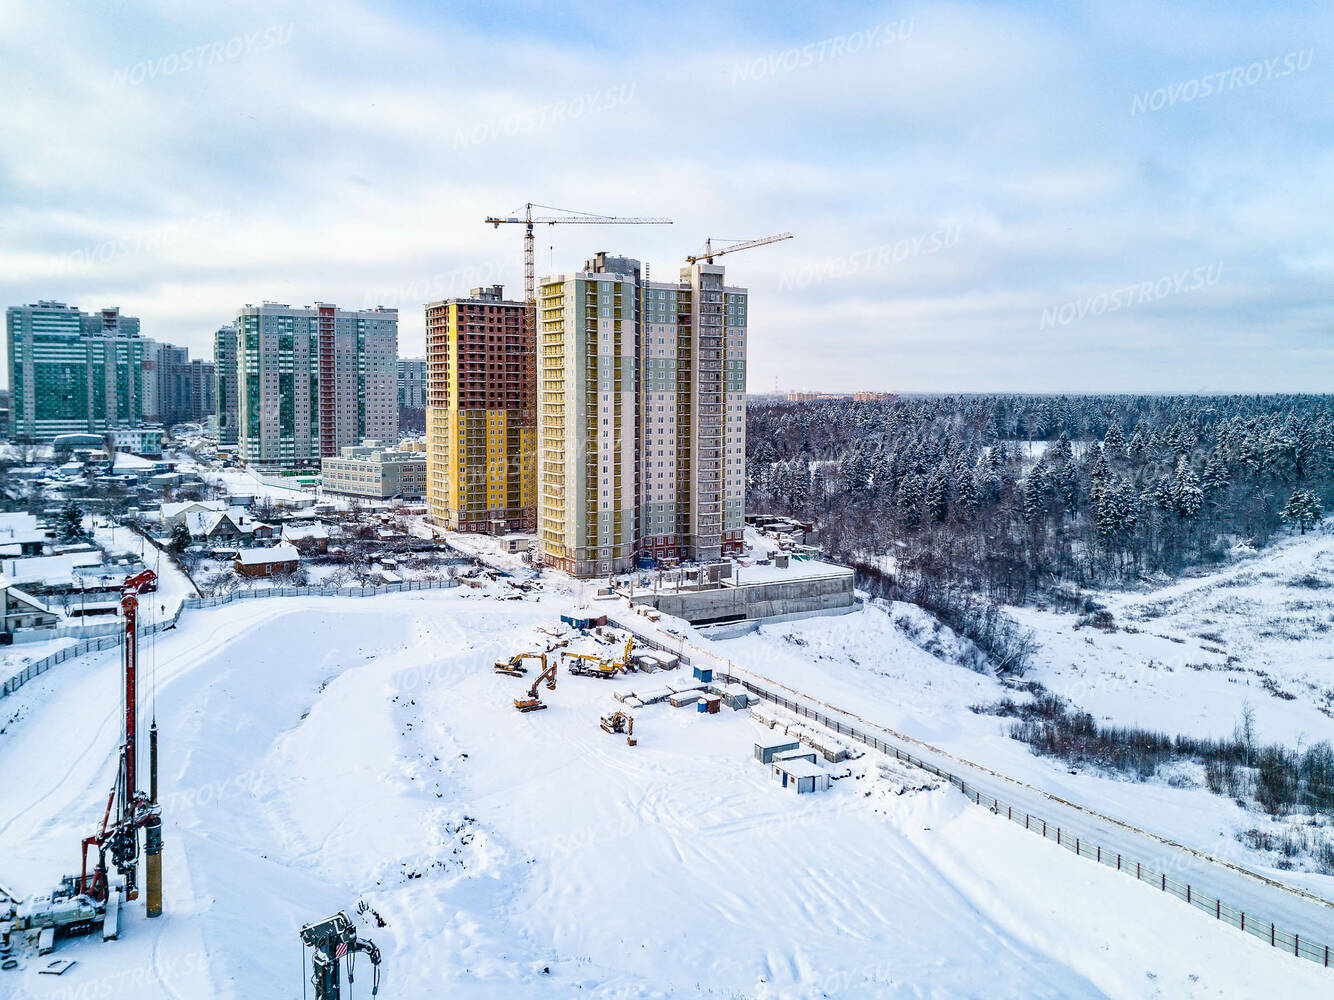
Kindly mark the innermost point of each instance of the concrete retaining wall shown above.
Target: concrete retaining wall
(760, 600)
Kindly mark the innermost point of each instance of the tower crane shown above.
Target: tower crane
(710, 253)
(570, 218)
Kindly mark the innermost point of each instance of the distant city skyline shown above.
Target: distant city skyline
(985, 197)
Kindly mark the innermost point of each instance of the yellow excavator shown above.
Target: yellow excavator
(514, 667)
(620, 722)
(532, 703)
(624, 662)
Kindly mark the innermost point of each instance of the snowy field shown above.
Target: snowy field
(1187, 658)
(322, 753)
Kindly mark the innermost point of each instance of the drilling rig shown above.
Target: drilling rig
(82, 901)
(334, 939)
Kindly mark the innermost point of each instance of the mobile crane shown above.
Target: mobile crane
(333, 939)
(589, 665)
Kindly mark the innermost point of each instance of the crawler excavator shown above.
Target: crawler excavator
(514, 667)
(620, 722)
(532, 703)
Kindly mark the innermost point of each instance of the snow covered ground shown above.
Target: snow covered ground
(173, 586)
(1188, 657)
(323, 752)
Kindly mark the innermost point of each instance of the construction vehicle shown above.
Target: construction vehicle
(334, 939)
(513, 667)
(625, 663)
(85, 901)
(571, 217)
(589, 665)
(532, 703)
(620, 722)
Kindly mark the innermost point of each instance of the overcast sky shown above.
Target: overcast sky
(984, 197)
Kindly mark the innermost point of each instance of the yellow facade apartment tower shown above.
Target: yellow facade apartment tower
(481, 429)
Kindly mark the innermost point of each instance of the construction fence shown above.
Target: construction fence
(1267, 931)
(37, 667)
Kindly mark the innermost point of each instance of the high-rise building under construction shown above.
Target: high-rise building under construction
(641, 416)
(480, 413)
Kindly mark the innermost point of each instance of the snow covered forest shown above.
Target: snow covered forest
(1003, 496)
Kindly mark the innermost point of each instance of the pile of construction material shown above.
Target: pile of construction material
(711, 697)
(819, 739)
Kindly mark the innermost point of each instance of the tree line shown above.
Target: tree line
(1007, 495)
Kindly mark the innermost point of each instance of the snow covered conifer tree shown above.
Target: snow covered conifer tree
(1114, 441)
(1302, 509)
(1187, 496)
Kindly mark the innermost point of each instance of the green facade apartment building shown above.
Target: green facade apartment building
(312, 379)
(72, 372)
(224, 374)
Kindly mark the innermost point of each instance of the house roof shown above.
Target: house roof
(170, 510)
(38, 569)
(263, 557)
(799, 768)
(299, 532)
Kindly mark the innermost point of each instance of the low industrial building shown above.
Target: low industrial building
(372, 469)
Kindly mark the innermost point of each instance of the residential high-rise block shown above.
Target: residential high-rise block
(587, 427)
(642, 396)
(224, 371)
(72, 372)
(312, 379)
(412, 383)
(480, 413)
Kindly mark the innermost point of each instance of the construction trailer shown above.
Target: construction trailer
(801, 776)
(767, 749)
